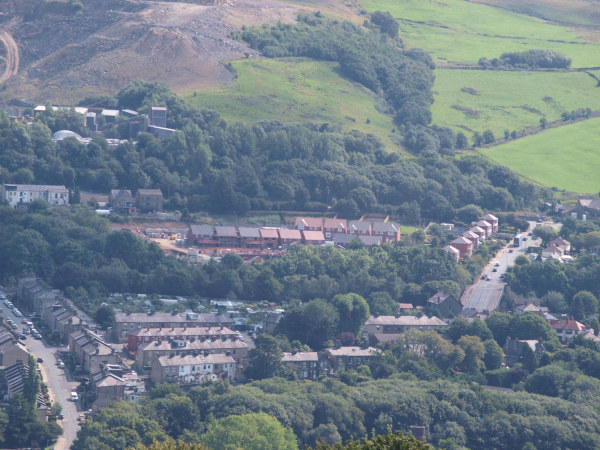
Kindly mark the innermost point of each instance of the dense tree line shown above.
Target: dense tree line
(455, 415)
(529, 59)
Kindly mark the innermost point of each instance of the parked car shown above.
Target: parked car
(494, 270)
(83, 379)
(74, 396)
(2, 297)
(61, 365)
(497, 264)
(24, 321)
(40, 360)
(61, 416)
(37, 337)
(511, 251)
(22, 336)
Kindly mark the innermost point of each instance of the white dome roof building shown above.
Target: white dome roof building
(63, 134)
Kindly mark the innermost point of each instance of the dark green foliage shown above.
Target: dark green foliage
(265, 359)
(529, 59)
(104, 316)
(337, 413)
(386, 23)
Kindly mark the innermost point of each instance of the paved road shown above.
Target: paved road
(58, 383)
(486, 295)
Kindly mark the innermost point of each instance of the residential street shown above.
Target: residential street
(486, 295)
(58, 383)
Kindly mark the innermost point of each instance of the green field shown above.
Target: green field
(567, 157)
(459, 31)
(508, 100)
(295, 90)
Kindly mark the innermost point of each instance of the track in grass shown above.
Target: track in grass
(566, 157)
(295, 90)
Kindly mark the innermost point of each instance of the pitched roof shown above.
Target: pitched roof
(166, 361)
(559, 241)
(343, 239)
(352, 351)
(461, 240)
(569, 324)
(150, 192)
(157, 318)
(477, 229)
(370, 240)
(173, 332)
(36, 188)
(225, 231)
(451, 249)
(285, 233)
(470, 234)
(384, 227)
(359, 225)
(553, 249)
(300, 357)
(204, 230)
(335, 223)
(489, 216)
(313, 222)
(313, 235)
(406, 321)
(247, 232)
(440, 297)
(209, 344)
(270, 233)
(483, 223)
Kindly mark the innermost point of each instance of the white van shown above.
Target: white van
(29, 325)
(74, 396)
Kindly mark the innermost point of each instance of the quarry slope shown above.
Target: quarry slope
(61, 57)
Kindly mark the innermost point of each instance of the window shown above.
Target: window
(349, 360)
(377, 327)
(358, 361)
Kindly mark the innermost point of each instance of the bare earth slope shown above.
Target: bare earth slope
(62, 58)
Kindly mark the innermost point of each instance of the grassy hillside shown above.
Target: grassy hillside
(449, 31)
(293, 90)
(565, 157)
(509, 100)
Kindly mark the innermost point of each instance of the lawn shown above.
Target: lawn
(565, 157)
(296, 90)
(448, 30)
(508, 100)
(407, 229)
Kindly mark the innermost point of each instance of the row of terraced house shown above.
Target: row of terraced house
(465, 245)
(307, 231)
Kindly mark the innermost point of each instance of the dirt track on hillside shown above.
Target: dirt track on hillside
(12, 53)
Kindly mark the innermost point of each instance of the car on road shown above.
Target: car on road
(511, 251)
(497, 264)
(61, 416)
(74, 396)
(22, 336)
(14, 326)
(524, 239)
(37, 337)
(40, 360)
(25, 320)
(83, 379)
(502, 275)
(530, 234)
(2, 297)
(61, 365)
(494, 270)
